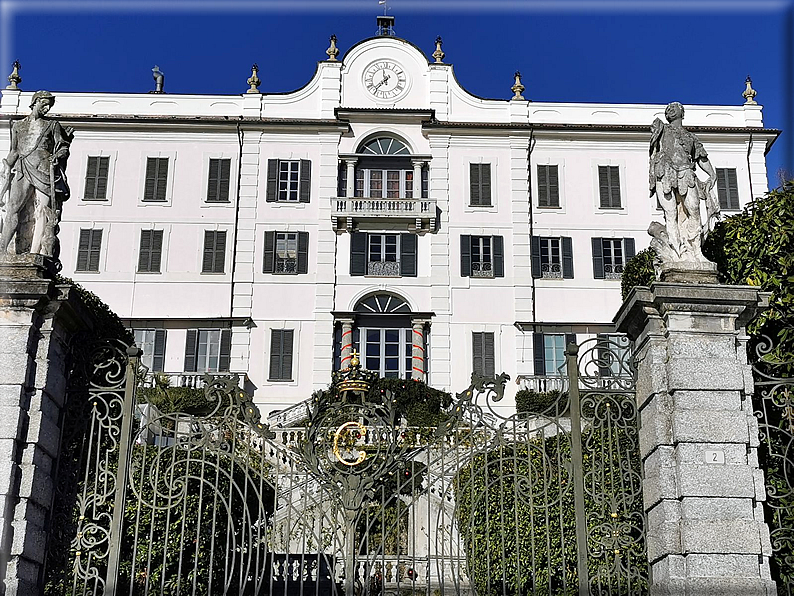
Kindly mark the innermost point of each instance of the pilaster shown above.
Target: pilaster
(703, 490)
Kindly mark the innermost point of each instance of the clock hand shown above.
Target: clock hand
(385, 79)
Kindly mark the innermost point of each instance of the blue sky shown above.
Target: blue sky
(651, 51)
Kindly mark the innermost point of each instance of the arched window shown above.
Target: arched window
(385, 146)
(382, 303)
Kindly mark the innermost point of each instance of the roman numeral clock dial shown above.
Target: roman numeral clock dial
(385, 79)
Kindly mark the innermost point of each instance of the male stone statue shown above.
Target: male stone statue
(33, 175)
(674, 154)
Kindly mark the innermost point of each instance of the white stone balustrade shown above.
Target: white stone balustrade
(346, 210)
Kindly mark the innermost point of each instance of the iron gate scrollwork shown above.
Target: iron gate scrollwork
(773, 406)
(356, 501)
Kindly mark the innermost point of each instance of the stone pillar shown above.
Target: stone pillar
(347, 343)
(417, 185)
(351, 177)
(418, 364)
(37, 320)
(703, 489)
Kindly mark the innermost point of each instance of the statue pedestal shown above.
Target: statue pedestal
(37, 319)
(688, 272)
(703, 489)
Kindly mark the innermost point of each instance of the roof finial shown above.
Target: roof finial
(332, 50)
(14, 79)
(253, 81)
(517, 87)
(159, 79)
(439, 54)
(749, 93)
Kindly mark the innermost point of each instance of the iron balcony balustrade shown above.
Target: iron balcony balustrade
(192, 380)
(420, 214)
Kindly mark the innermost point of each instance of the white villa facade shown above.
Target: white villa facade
(381, 207)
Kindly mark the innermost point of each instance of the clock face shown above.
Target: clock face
(385, 79)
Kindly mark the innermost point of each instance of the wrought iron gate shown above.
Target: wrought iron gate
(353, 500)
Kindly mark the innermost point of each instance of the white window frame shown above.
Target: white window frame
(365, 189)
(552, 364)
(208, 335)
(205, 175)
(552, 267)
(284, 178)
(108, 200)
(467, 206)
(621, 165)
(284, 256)
(614, 274)
(103, 248)
(482, 269)
(405, 351)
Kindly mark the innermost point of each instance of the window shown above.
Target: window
(549, 352)
(156, 179)
(552, 258)
(483, 361)
(609, 187)
(208, 350)
(286, 252)
(152, 342)
(727, 188)
(384, 183)
(610, 256)
(481, 256)
(214, 252)
(288, 181)
(88, 250)
(150, 251)
(96, 179)
(281, 354)
(480, 184)
(385, 351)
(384, 255)
(548, 186)
(218, 183)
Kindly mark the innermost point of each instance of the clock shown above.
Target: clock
(385, 79)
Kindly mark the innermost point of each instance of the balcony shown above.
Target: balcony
(419, 214)
(192, 380)
(542, 384)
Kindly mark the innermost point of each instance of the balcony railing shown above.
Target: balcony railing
(384, 268)
(542, 384)
(188, 379)
(613, 271)
(346, 210)
(551, 271)
(481, 269)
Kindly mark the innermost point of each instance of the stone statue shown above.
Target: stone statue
(34, 179)
(675, 152)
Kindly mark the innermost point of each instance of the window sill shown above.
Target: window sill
(213, 273)
(105, 200)
(148, 272)
(550, 207)
(280, 380)
(86, 271)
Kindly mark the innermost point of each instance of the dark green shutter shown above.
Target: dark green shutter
(158, 358)
(727, 188)
(609, 187)
(271, 192)
(534, 242)
(303, 252)
(733, 190)
(151, 179)
(570, 338)
(539, 354)
(275, 354)
(474, 184)
(408, 255)
(91, 172)
(477, 352)
(498, 256)
(628, 249)
(162, 178)
(94, 250)
(614, 187)
(465, 255)
(102, 178)
(220, 252)
(341, 177)
(489, 358)
(358, 253)
(270, 253)
(214, 180)
(226, 350)
(209, 252)
(82, 250)
(145, 251)
(225, 180)
(554, 187)
(603, 186)
(598, 258)
(485, 184)
(305, 177)
(157, 251)
(543, 186)
(286, 354)
(567, 257)
(191, 349)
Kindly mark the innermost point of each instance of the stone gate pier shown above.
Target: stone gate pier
(703, 489)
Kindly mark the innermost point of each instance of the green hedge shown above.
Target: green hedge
(537, 402)
(638, 271)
